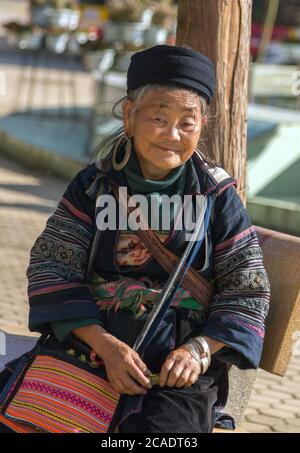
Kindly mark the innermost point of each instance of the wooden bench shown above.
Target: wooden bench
(282, 261)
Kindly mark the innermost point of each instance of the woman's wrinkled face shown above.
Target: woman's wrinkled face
(165, 126)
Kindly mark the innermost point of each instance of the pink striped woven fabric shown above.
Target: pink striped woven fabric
(58, 397)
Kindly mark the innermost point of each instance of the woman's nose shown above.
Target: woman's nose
(172, 133)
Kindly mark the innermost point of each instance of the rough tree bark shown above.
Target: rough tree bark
(221, 29)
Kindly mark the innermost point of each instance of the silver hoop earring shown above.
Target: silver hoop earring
(119, 165)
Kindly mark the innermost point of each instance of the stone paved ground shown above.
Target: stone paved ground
(27, 198)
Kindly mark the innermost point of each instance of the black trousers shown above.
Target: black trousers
(176, 410)
(170, 410)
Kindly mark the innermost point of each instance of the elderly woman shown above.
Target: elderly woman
(155, 155)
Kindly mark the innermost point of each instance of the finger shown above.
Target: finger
(174, 374)
(192, 378)
(117, 384)
(136, 373)
(131, 387)
(184, 377)
(165, 370)
(143, 367)
(121, 385)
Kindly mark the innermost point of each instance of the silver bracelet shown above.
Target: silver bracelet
(196, 353)
(203, 346)
(193, 350)
(204, 364)
(198, 346)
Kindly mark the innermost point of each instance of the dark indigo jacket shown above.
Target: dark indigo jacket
(58, 269)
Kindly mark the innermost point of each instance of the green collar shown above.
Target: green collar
(138, 183)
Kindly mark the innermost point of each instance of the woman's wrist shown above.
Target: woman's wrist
(200, 351)
(96, 337)
(201, 348)
(214, 345)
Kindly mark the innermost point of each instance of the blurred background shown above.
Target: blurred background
(63, 65)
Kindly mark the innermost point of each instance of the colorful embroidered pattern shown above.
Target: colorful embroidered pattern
(131, 251)
(59, 256)
(138, 294)
(243, 288)
(58, 397)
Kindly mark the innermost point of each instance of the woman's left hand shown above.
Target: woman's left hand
(179, 369)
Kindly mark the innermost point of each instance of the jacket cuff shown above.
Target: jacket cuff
(244, 347)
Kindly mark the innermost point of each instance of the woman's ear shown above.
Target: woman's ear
(127, 107)
(204, 120)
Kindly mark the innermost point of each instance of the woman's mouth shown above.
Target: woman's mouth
(168, 148)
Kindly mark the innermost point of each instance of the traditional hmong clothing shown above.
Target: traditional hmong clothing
(61, 298)
(124, 280)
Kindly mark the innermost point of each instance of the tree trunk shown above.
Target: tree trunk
(221, 29)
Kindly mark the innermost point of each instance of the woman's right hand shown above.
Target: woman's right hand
(124, 368)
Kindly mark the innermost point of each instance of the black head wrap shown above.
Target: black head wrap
(172, 65)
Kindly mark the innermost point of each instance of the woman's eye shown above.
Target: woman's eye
(161, 120)
(188, 125)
